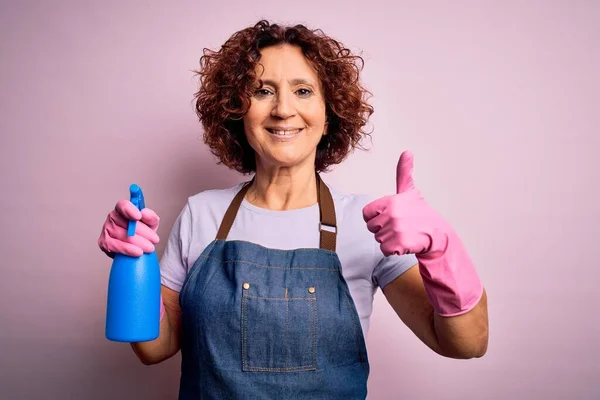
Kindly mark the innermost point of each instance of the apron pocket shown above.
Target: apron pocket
(279, 332)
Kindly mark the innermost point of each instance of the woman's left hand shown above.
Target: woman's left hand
(404, 223)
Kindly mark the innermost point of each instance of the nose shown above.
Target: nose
(284, 106)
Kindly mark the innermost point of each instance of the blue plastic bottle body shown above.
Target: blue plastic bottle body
(133, 309)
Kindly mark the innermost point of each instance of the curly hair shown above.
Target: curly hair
(228, 81)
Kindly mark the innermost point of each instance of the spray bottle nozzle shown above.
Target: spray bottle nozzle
(136, 196)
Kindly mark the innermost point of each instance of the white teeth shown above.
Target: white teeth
(285, 133)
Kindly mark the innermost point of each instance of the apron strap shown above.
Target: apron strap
(327, 212)
(231, 212)
(327, 224)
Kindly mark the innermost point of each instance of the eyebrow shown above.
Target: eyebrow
(297, 81)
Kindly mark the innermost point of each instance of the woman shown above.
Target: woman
(268, 286)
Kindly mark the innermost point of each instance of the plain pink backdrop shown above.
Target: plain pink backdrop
(499, 101)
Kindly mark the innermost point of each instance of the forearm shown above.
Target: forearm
(158, 350)
(465, 335)
(457, 296)
(167, 343)
(462, 336)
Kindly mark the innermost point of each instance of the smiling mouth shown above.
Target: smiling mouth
(284, 133)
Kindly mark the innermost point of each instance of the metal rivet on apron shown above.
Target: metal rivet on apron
(246, 285)
(311, 290)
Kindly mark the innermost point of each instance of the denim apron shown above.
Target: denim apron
(261, 323)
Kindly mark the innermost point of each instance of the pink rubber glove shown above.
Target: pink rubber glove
(113, 238)
(405, 224)
(162, 309)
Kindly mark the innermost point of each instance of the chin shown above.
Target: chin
(285, 161)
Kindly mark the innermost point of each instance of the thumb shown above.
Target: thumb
(404, 179)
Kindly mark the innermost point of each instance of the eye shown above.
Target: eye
(304, 92)
(262, 92)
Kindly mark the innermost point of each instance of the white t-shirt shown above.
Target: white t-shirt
(364, 266)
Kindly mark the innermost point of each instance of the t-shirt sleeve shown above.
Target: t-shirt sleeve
(389, 268)
(174, 262)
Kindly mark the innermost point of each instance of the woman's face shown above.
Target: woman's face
(286, 118)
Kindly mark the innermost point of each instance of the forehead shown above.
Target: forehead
(284, 62)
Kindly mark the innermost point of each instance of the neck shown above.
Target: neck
(283, 188)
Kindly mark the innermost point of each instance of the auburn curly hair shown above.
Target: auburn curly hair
(228, 81)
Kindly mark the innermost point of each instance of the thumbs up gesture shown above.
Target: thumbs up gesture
(404, 223)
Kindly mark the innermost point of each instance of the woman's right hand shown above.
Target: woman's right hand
(113, 238)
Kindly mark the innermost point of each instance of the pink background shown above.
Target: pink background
(498, 100)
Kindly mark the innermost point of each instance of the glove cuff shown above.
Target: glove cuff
(162, 308)
(450, 278)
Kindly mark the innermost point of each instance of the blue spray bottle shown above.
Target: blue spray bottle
(133, 306)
